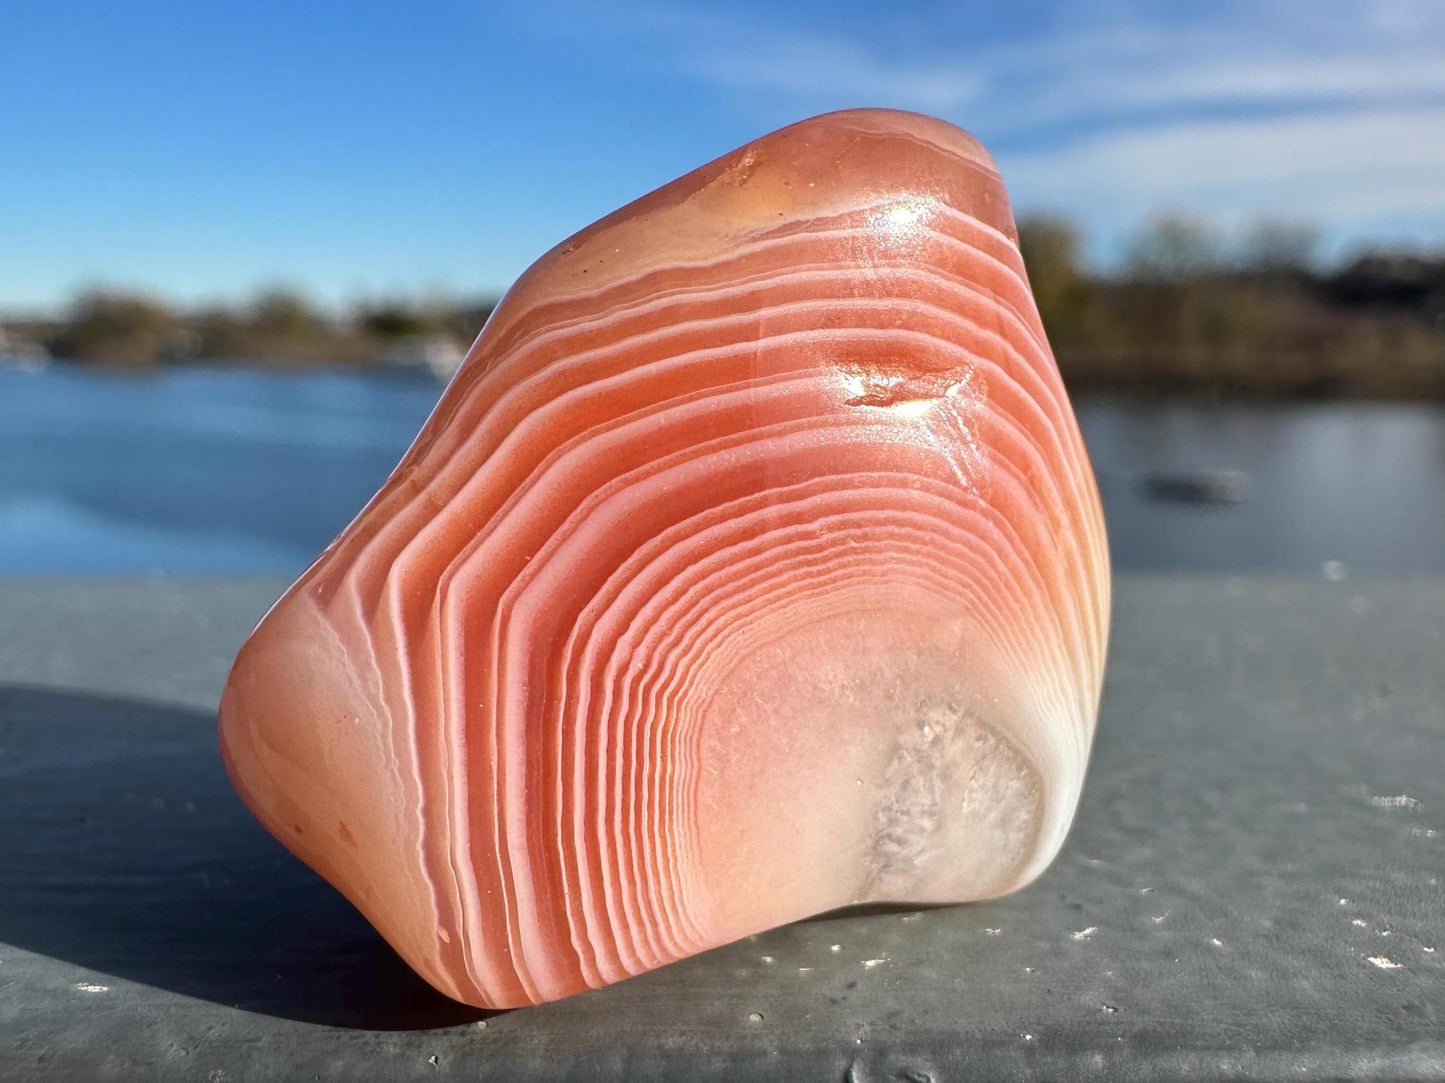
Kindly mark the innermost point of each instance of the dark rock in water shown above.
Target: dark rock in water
(1204, 488)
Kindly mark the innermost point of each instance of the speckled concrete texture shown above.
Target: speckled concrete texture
(1254, 887)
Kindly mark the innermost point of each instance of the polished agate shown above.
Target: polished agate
(750, 567)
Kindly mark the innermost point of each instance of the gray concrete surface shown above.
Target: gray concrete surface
(1253, 887)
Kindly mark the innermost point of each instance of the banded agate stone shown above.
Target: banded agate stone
(750, 567)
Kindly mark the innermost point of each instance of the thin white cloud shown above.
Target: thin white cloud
(1243, 108)
(1360, 172)
(1214, 157)
(729, 53)
(1115, 67)
(1109, 96)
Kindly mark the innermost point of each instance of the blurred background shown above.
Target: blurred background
(243, 246)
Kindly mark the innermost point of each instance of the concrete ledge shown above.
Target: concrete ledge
(1253, 887)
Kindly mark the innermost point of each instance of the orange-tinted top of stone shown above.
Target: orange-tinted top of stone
(820, 167)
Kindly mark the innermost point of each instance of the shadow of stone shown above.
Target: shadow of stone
(124, 849)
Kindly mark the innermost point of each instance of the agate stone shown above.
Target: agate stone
(750, 567)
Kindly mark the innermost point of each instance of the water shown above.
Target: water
(1336, 487)
(242, 470)
(192, 470)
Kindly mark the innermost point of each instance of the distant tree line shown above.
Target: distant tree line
(1185, 312)
(1188, 312)
(278, 327)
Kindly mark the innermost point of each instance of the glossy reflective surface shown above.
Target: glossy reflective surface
(752, 566)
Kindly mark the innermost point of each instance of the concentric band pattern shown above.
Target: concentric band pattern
(750, 567)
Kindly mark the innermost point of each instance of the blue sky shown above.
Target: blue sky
(356, 149)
